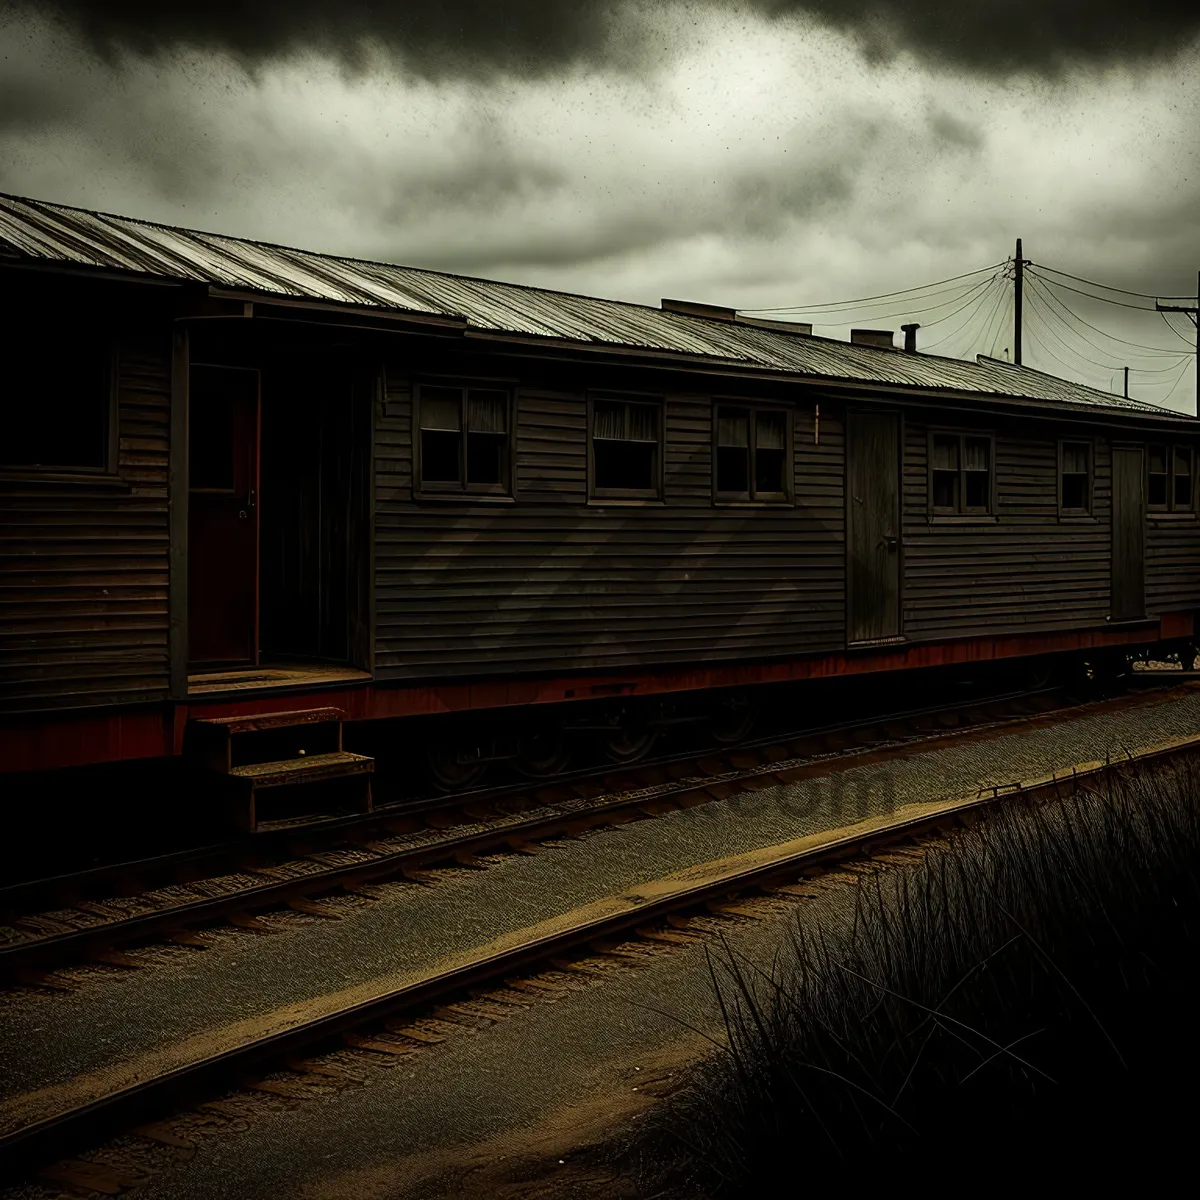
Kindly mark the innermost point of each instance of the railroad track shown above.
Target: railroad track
(503, 820)
(657, 911)
(296, 838)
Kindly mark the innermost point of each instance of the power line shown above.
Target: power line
(865, 299)
(1180, 336)
(998, 312)
(1044, 287)
(987, 313)
(1101, 299)
(1053, 321)
(1043, 348)
(977, 303)
(983, 300)
(1177, 356)
(1047, 321)
(1161, 370)
(1170, 385)
(1055, 309)
(1107, 287)
(1174, 382)
(1038, 314)
(958, 289)
(961, 293)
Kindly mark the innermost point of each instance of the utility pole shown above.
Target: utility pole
(1018, 303)
(1193, 312)
(1126, 383)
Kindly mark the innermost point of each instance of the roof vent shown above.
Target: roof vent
(782, 326)
(872, 337)
(910, 337)
(714, 312)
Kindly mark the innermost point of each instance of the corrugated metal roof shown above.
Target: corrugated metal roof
(52, 233)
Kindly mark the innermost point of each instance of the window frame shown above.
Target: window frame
(748, 499)
(463, 490)
(1171, 508)
(653, 495)
(940, 513)
(1088, 512)
(108, 470)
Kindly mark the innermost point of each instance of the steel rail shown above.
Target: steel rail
(60, 949)
(653, 901)
(22, 896)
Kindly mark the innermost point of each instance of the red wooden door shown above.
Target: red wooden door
(223, 436)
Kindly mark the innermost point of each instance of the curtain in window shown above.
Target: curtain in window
(977, 455)
(733, 429)
(609, 421)
(643, 423)
(1075, 459)
(486, 412)
(945, 454)
(441, 408)
(769, 433)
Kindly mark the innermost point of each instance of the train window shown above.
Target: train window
(977, 474)
(960, 474)
(751, 455)
(58, 418)
(1075, 478)
(1181, 479)
(945, 473)
(464, 439)
(1169, 471)
(625, 447)
(1158, 476)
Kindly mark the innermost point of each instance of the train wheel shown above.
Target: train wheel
(629, 744)
(543, 753)
(448, 770)
(733, 719)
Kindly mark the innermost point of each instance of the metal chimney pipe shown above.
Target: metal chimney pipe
(910, 337)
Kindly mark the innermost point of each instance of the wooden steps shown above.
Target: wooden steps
(296, 757)
(305, 770)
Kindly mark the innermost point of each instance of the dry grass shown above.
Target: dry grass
(1019, 1004)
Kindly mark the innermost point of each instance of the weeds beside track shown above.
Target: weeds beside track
(1017, 1004)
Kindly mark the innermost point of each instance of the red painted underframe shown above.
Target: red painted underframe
(78, 739)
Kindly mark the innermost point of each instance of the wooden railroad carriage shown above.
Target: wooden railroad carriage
(238, 479)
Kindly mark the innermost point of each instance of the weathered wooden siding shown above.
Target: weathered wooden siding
(83, 565)
(553, 583)
(551, 451)
(1029, 570)
(1172, 563)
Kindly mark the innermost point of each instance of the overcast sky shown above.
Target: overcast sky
(750, 153)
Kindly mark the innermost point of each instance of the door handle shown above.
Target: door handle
(890, 542)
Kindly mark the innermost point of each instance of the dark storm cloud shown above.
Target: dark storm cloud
(438, 36)
(535, 37)
(1002, 36)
